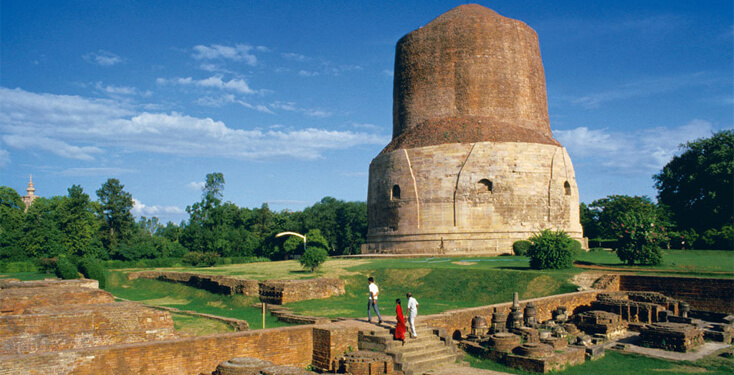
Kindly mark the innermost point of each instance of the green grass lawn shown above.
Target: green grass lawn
(614, 363)
(709, 263)
(182, 297)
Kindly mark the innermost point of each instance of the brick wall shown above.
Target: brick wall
(283, 346)
(716, 295)
(213, 283)
(71, 326)
(284, 291)
(15, 301)
(14, 283)
(459, 321)
(332, 341)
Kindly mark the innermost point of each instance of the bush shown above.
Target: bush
(576, 248)
(720, 239)
(199, 259)
(550, 250)
(92, 269)
(313, 258)
(521, 247)
(46, 265)
(16, 267)
(66, 270)
(640, 235)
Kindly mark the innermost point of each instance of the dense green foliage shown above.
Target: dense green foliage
(65, 269)
(75, 227)
(640, 235)
(697, 186)
(521, 247)
(551, 250)
(91, 268)
(313, 257)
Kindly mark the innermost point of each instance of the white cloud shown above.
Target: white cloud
(240, 52)
(223, 100)
(103, 58)
(291, 107)
(4, 158)
(643, 88)
(388, 73)
(295, 57)
(81, 128)
(305, 73)
(140, 209)
(644, 151)
(216, 82)
(196, 185)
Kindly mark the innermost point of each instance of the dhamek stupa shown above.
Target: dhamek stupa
(472, 166)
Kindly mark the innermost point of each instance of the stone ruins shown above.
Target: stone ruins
(472, 166)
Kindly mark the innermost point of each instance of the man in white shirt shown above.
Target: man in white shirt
(412, 313)
(372, 302)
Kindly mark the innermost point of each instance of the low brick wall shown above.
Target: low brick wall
(716, 295)
(458, 322)
(213, 283)
(14, 301)
(284, 291)
(56, 283)
(291, 346)
(331, 342)
(65, 327)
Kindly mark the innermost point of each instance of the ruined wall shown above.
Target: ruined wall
(456, 321)
(213, 283)
(285, 291)
(702, 294)
(469, 198)
(14, 301)
(71, 326)
(283, 346)
(332, 341)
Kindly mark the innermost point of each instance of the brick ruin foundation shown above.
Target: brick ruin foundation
(275, 292)
(107, 337)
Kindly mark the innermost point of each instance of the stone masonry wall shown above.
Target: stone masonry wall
(71, 326)
(702, 294)
(459, 321)
(291, 346)
(445, 204)
(213, 283)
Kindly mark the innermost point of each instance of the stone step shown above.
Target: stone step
(420, 365)
(384, 343)
(420, 353)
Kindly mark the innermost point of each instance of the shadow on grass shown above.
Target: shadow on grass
(515, 268)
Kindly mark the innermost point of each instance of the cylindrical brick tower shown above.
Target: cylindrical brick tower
(472, 166)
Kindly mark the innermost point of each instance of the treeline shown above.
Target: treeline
(695, 206)
(77, 227)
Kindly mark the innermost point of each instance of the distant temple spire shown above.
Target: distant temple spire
(28, 199)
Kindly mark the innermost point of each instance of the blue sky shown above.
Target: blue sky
(291, 100)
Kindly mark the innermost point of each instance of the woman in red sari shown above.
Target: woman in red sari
(400, 327)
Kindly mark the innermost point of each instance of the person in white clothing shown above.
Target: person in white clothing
(372, 302)
(412, 313)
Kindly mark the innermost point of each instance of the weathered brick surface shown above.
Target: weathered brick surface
(283, 346)
(14, 301)
(284, 291)
(458, 322)
(701, 293)
(55, 283)
(332, 341)
(64, 327)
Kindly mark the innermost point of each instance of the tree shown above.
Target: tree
(313, 258)
(639, 237)
(11, 219)
(115, 205)
(42, 237)
(77, 223)
(612, 208)
(697, 184)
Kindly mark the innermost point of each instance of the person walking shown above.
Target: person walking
(372, 302)
(412, 313)
(400, 327)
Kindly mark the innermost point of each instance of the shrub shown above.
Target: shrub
(92, 269)
(66, 270)
(46, 265)
(550, 250)
(576, 249)
(521, 247)
(313, 258)
(720, 239)
(640, 235)
(16, 267)
(199, 259)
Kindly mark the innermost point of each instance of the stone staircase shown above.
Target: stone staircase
(432, 348)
